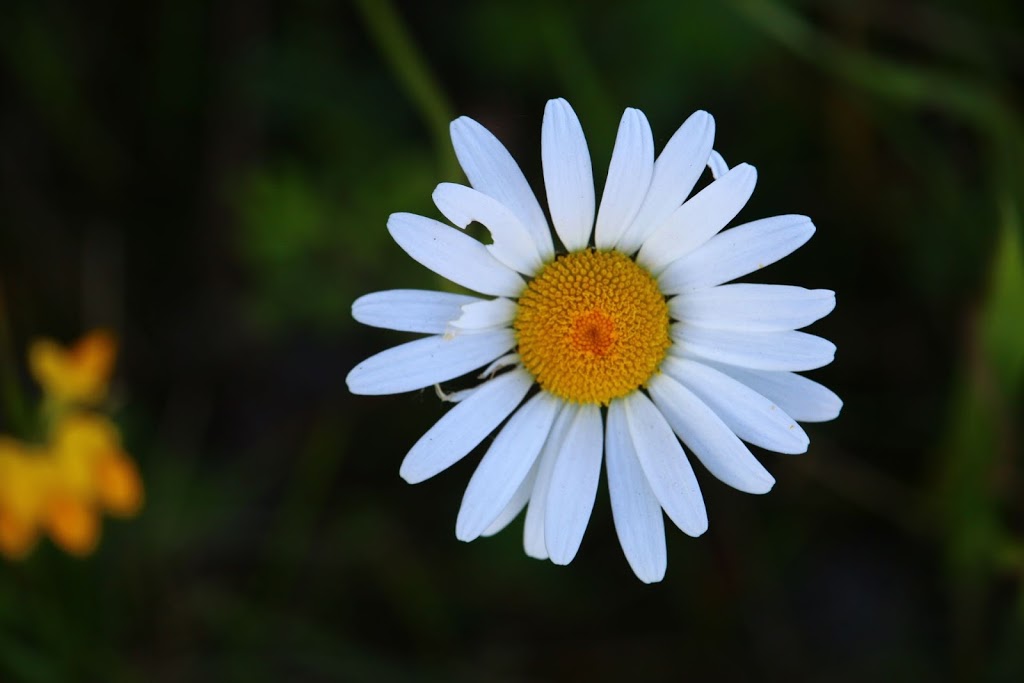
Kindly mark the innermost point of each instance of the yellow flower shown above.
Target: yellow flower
(72, 523)
(91, 474)
(64, 488)
(78, 374)
(92, 466)
(35, 496)
(23, 492)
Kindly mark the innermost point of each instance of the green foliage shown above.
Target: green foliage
(1002, 319)
(980, 453)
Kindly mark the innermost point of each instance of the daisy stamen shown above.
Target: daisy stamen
(592, 327)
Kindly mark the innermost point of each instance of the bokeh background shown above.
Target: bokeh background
(211, 180)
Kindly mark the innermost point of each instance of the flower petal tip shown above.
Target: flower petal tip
(706, 120)
(839, 407)
(460, 123)
(409, 475)
(650, 577)
(464, 534)
(697, 531)
(352, 381)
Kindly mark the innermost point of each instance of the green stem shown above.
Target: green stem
(391, 37)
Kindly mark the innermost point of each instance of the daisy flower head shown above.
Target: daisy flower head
(615, 342)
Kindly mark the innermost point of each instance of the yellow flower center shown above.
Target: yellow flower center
(592, 326)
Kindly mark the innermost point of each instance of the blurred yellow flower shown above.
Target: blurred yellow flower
(72, 523)
(22, 497)
(79, 374)
(61, 488)
(93, 466)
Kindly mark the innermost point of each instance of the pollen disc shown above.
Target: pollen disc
(592, 326)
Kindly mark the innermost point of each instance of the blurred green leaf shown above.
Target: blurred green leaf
(979, 449)
(1002, 323)
(414, 73)
(311, 252)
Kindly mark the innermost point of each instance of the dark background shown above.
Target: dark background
(212, 181)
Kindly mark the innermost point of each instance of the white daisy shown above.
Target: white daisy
(620, 342)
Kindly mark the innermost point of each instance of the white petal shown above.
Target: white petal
(533, 528)
(410, 310)
(505, 465)
(427, 361)
(568, 176)
(757, 350)
(482, 315)
(675, 173)
(456, 396)
(751, 416)
(513, 244)
(665, 465)
(717, 165)
(573, 485)
(453, 255)
(749, 307)
(629, 176)
(699, 219)
(803, 399)
(493, 171)
(635, 510)
(737, 252)
(505, 361)
(516, 505)
(463, 427)
(721, 452)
